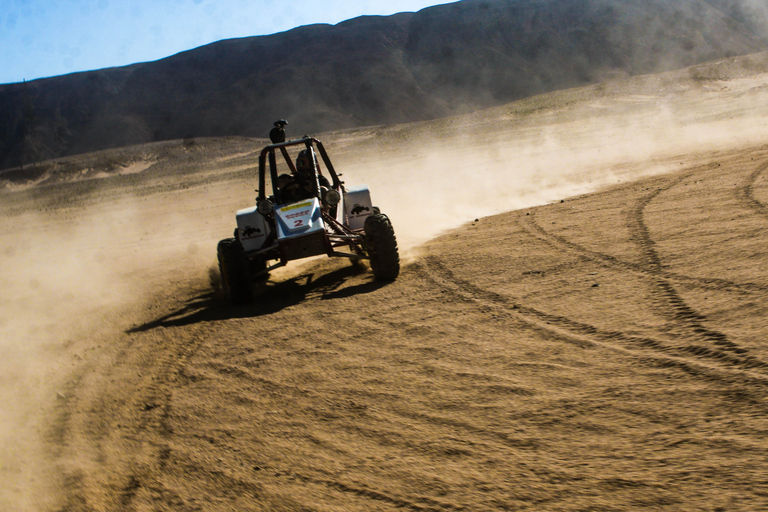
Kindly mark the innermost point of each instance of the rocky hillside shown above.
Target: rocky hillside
(443, 60)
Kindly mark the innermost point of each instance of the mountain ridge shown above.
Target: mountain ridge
(443, 60)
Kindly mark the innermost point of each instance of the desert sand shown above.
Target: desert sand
(579, 323)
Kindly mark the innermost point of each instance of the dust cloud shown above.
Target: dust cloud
(68, 278)
(756, 12)
(442, 174)
(59, 281)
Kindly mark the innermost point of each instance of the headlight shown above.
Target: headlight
(332, 197)
(265, 207)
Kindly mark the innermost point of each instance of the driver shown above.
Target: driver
(301, 185)
(305, 163)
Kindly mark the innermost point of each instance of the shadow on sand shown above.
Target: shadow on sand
(269, 298)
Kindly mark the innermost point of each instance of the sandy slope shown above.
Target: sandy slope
(603, 352)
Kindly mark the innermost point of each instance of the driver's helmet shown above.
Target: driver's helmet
(305, 163)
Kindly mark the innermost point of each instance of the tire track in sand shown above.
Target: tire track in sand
(158, 404)
(665, 296)
(290, 477)
(528, 223)
(701, 361)
(747, 192)
(147, 424)
(157, 407)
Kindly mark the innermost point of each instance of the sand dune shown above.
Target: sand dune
(579, 324)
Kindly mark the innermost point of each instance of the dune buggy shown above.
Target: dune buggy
(308, 213)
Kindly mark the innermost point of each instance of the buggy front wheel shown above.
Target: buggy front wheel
(235, 271)
(381, 246)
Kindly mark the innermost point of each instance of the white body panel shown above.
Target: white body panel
(357, 206)
(299, 219)
(253, 229)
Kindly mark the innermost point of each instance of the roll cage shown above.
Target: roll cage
(268, 156)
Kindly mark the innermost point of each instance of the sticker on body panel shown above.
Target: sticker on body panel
(296, 206)
(252, 229)
(297, 218)
(358, 206)
(250, 232)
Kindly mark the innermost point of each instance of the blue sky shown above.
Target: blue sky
(42, 38)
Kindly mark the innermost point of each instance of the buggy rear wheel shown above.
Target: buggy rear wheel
(381, 246)
(235, 272)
